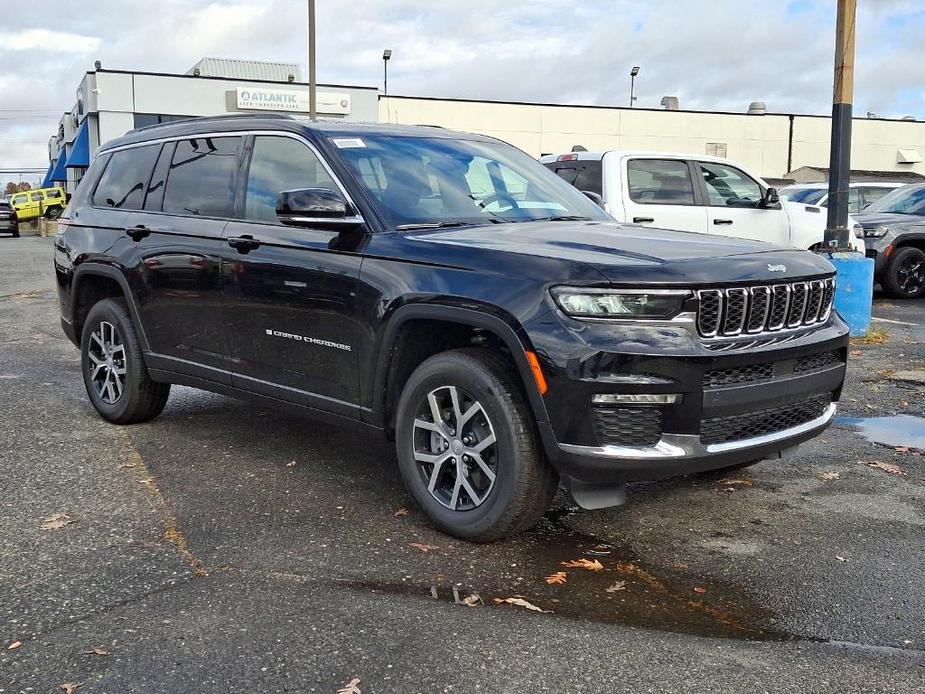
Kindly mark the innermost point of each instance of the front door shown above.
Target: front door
(290, 292)
(660, 193)
(734, 206)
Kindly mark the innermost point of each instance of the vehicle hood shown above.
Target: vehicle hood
(871, 220)
(628, 254)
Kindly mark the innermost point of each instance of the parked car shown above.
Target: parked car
(32, 204)
(860, 195)
(708, 195)
(894, 229)
(448, 291)
(8, 221)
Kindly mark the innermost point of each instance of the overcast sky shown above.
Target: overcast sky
(712, 54)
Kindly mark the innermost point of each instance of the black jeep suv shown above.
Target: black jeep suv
(447, 290)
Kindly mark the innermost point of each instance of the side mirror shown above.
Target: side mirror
(771, 197)
(594, 197)
(318, 207)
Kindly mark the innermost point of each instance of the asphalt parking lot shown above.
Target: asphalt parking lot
(223, 547)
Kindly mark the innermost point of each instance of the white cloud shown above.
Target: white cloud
(48, 40)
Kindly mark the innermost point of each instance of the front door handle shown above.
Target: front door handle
(640, 220)
(138, 232)
(243, 244)
(722, 221)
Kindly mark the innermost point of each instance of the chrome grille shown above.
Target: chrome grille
(766, 308)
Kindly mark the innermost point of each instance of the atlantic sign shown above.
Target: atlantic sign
(292, 100)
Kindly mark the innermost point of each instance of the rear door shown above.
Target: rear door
(733, 200)
(175, 236)
(290, 292)
(661, 193)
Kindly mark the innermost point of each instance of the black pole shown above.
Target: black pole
(312, 92)
(385, 76)
(632, 89)
(837, 234)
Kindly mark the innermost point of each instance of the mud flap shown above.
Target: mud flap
(594, 496)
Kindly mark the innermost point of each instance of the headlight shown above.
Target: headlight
(877, 232)
(620, 303)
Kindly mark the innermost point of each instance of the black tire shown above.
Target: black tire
(139, 398)
(904, 277)
(53, 212)
(524, 482)
(16, 232)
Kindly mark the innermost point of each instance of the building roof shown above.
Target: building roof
(231, 68)
(864, 174)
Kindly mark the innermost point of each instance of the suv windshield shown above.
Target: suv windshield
(435, 181)
(808, 196)
(905, 200)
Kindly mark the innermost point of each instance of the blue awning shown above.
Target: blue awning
(79, 157)
(46, 182)
(59, 172)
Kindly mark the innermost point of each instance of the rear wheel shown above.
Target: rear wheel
(53, 212)
(467, 447)
(114, 370)
(904, 277)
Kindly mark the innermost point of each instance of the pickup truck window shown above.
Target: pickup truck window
(434, 180)
(278, 164)
(729, 187)
(660, 182)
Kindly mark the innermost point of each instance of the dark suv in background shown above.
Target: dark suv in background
(449, 291)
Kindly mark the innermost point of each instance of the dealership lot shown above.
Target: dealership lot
(225, 547)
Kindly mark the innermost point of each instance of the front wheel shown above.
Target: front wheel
(904, 277)
(114, 370)
(53, 212)
(468, 449)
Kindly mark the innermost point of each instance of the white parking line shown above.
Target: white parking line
(894, 322)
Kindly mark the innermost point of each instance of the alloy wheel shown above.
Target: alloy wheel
(455, 448)
(107, 362)
(910, 275)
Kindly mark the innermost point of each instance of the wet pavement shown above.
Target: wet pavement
(227, 548)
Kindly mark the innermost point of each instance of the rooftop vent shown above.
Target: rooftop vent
(909, 118)
(670, 103)
(757, 108)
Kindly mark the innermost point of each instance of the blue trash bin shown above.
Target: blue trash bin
(854, 290)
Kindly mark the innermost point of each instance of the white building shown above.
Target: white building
(109, 103)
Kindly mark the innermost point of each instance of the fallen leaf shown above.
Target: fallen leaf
(840, 558)
(520, 602)
(13, 646)
(886, 467)
(830, 475)
(473, 600)
(589, 564)
(557, 578)
(740, 483)
(856, 353)
(127, 466)
(351, 687)
(887, 373)
(95, 651)
(421, 546)
(290, 464)
(401, 512)
(69, 687)
(616, 587)
(729, 489)
(700, 589)
(59, 520)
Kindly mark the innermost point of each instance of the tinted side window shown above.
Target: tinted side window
(591, 177)
(569, 174)
(278, 164)
(201, 178)
(873, 194)
(660, 182)
(53, 194)
(155, 194)
(123, 182)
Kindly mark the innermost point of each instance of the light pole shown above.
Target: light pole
(312, 102)
(386, 54)
(633, 73)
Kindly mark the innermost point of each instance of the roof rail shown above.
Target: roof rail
(222, 116)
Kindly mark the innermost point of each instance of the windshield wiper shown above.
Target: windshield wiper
(431, 225)
(561, 218)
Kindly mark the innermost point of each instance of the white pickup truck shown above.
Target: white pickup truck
(690, 192)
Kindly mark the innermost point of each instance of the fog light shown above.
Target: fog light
(635, 399)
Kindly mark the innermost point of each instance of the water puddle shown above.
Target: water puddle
(617, 587)
(900, 430)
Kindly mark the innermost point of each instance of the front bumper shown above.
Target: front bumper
(692, 434)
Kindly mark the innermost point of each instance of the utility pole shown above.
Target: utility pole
(633, 73)
(837, 234)
(312, 96)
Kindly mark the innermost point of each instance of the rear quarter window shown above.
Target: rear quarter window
(123, 183)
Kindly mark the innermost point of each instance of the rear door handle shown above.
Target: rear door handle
(138, 232)
(243, 244)
(640, 220)
(722, 221)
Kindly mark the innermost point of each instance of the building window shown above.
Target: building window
(716, 149)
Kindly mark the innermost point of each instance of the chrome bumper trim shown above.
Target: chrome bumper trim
(674, 446)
